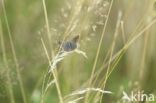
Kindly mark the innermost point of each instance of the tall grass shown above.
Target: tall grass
(14, 56)
(99, 47)
(53, 72)
(114, 53)
(9, 84)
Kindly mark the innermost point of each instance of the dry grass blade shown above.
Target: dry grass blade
(55, 77)
(112, 50)
(75, 100)
(98, 49)
(11, 94)
(14, 55)
(49, 37)
(83, 91)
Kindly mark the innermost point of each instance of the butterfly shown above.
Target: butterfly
(70, 45)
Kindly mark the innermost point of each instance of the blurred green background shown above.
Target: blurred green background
(135, 70)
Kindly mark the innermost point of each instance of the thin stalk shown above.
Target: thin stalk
(54, 73)
(124, 48)
(11, 94)
(142, 64)
(112, 50)
(113, 67)
(98, 51)
(123, 32)
(47, 23)
(46, 52)
(14, 55)
(130, 42)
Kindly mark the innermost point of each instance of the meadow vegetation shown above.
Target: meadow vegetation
(114, 50)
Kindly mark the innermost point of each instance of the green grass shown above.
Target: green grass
(116, 50)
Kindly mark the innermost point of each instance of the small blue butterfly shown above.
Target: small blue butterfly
(70, 45)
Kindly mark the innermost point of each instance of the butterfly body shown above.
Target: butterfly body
(70, 45)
